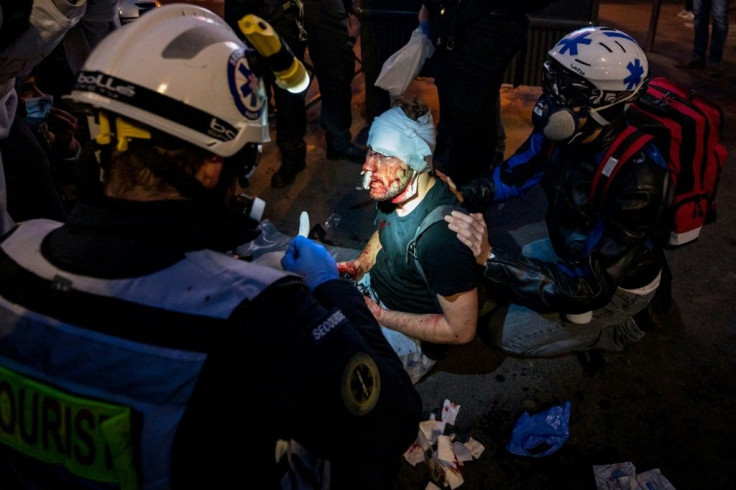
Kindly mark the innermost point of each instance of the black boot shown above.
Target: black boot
(345, 150)
(286, 174)
(293, 158)
(350, 152)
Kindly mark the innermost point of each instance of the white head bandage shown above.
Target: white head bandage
(396, 135)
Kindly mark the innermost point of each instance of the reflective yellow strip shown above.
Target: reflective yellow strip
(91, 439)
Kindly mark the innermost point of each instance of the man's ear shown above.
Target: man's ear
(209, 172)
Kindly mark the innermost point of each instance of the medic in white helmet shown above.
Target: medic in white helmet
(135, 350)
(601, 264)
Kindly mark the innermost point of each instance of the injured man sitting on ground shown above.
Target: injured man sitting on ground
(422, 291)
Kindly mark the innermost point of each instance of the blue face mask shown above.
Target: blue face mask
(38, 109)
(557, 122)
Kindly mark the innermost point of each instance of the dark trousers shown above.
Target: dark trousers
(331, 54)
(468, 80)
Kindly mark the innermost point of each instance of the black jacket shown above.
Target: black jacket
(618, 244)
(266, 377)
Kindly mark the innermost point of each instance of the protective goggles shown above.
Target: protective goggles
(566, 88)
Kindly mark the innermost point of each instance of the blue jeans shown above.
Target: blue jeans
(704, 10)
(529, 333)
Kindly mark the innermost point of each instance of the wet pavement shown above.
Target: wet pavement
(667, 402)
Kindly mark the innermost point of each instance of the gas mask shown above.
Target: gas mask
(556, 121)
(553, 113)
(559, 122)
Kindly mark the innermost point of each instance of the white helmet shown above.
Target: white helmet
(608, 58)
(181, 70)
(596, 67)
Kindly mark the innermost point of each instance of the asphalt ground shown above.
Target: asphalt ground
(666, 402)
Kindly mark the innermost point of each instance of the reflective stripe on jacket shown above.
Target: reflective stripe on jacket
(73, 393)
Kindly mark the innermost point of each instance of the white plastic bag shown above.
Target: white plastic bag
(404, 65)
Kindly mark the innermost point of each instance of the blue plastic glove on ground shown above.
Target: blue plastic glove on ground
(541, 434)
(310, 260)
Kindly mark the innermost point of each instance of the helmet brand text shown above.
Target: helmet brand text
(219, 131)
(106, 84)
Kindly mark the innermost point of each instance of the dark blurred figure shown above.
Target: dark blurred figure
(476, 41)
(58, 71)
(687, 12)
(29, 31)
(710, 31)
(322, 27)
(41, 146)
(40, 153)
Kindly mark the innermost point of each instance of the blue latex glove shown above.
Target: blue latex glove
(310, 260)
(541, 434)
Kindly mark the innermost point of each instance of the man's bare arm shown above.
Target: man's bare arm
(456, 325)
(364, 262)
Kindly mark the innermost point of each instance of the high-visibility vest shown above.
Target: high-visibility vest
(106, 407)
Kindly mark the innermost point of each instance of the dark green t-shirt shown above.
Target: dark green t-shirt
(448, 264)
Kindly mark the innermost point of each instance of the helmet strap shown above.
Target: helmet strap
(185, 184)
(590, 126)
(595, 115)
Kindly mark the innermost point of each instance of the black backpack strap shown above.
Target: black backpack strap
(437, 214)
(626, 145)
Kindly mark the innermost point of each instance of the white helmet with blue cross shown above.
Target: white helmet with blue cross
(597, 67)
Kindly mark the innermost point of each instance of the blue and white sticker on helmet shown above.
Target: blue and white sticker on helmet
(570, 43)
(636, 74)
(613, 33)
(245, 86)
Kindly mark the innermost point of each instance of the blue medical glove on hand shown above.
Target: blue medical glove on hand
(310, 260)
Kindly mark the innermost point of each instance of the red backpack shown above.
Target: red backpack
(687, 130)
